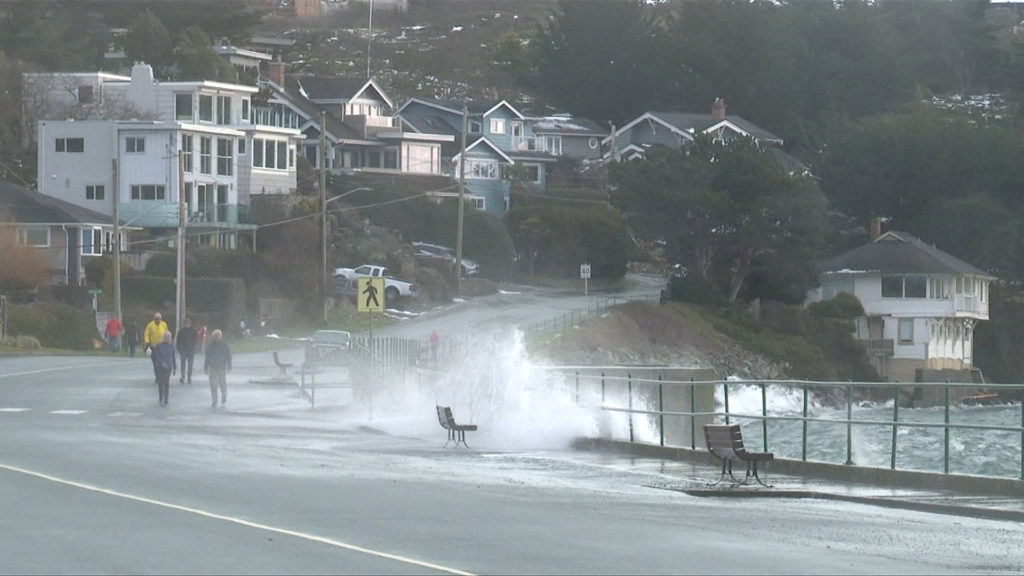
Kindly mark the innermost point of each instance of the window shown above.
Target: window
(205, 150)
(245, 109)
(937, 288)
(135, 144)
(906, 329)
(37, 236)
(291, 157)
(186, 146)
(223, 109)
(205, 108)
(85, 94)
(220, 210)
(225, 156)
(478, 203)
(904, 286)
(533, 173)
(183, 107)
(148, 192)
(271, 154)
(487, 169)
(241, 146)
(92, 241)
(94, 192)
(517, 128)
(497, 125)
(553, 144)
(474, 126)
(70, 145)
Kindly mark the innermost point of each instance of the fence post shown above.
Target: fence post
(764, 417)
(803, 451)
(849, 425)
(693, 423)
(945, 457)
(725, 388)
(895, 422)
(661, 410)
(629, 391)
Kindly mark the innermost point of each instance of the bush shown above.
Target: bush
(559, 238)
(54, 325)
(694, 290)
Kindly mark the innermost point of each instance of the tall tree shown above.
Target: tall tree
(725, 211)
(149, 41)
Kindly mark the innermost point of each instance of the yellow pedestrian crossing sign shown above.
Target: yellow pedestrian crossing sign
(371, 295)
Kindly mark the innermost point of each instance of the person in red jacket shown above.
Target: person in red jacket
(113, 334)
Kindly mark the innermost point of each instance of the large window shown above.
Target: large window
(70, 145)
(487, 169)
(35, 236)
(270, 154)
(148, 192)
(224, 110)
(92, 241)
(183, 107)
(134, 144)
(186, 146)
(205, 108)
(94, 192)
(497, 125)
(553, 144)
(904, 286)
(205, 152)
(245, 109)
(225, 156)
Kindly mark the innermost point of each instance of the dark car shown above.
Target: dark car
(328, 346)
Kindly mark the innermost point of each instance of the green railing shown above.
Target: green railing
(878, 405)
(571, 318)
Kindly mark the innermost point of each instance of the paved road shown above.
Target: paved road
(96, 477)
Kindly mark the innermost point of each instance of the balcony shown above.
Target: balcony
(165, 215)
(968, 303)
(369, 126)
(880, 347)
(528, 144)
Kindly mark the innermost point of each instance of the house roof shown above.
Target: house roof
(473, 108)
(688, 124)
(898, 253)
(334, 88)
(21, 205)
(337, 130)
(567, 125)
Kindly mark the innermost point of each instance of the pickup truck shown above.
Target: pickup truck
(393, 287)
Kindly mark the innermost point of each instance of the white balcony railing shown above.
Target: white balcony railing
(528, 144)
(968, 303)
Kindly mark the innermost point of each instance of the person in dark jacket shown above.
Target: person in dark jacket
(216, 363)
(187, 340)
(131, 337)
(165, 364)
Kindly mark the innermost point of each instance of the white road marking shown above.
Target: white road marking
(125, 414)
(69, 412)
(59, 368)
(240, 522)
(14, 409)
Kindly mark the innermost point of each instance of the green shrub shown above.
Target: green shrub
(694, 290)
(54, 325)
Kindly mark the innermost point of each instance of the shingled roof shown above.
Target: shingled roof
(898, 253)
(24, 206)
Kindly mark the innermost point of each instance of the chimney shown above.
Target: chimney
(876, 228)
(275, 72)
(718, 109)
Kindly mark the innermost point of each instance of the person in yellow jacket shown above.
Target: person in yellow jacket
(152, 335)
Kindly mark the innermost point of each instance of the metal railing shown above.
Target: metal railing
(574, 317)
(836, 430)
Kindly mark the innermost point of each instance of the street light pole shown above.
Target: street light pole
(117, 251)
(462, 193)
(323, 214)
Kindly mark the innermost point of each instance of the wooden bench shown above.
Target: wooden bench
(284, 366)
(725, 442)
(456, 432)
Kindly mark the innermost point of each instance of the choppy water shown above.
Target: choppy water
(971, 451)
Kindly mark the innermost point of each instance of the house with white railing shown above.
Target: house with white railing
(921, 305)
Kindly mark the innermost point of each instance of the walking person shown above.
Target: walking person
(216, 363)
(131, 338)
(186, 341)
(164, 364)
(113, 334)
(152, 335)
(435, 342)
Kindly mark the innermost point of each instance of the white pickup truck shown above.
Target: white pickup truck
(393, 287)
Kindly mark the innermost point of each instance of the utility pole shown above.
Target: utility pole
(180, 312)
(369, 39)
(117, 250)
(323, 213)
(462, 193)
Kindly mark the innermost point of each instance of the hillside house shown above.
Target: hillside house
(921, 306)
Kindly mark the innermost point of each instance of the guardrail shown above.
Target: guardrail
(984, 436)
(573, 317)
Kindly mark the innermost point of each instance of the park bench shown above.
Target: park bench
(456, 432)
(725, 442)
(284, 366)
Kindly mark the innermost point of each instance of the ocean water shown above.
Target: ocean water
(971, 451)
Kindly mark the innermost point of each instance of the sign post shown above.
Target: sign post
(370, 297)
(585, 275)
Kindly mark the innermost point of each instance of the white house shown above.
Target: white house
(920, 304)
(200, 137)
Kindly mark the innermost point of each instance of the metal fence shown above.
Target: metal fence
(824, 421)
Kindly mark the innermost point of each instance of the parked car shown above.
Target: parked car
(328, 346)
(435, 252)
(393, 287)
